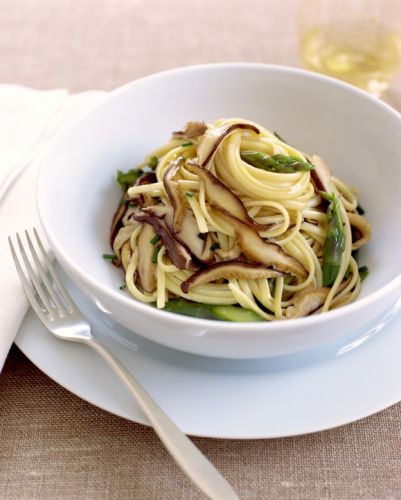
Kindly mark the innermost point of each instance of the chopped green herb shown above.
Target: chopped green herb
(155, 254)
(189, 195)
(278, 163)
(127, 179)
(280, 138)
(131, 204)
(215, 246)
(108, 256)
(124, 285)
(363, 272)
(155, 239)
(360, 210)
(186, 144)
(153, 161)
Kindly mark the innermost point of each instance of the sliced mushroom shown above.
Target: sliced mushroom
(261, 251)
(173, 192)
(116, 223)
(188, 234)
(227, 270)
(321, 175)
(123, 235)
(146, 268)
(129, 214)
(179, 255)
(307, 301)
(126, 254)
(143, 199)
(361, 229)
(231, 254)
(221, 196)
(212, 139)
(192, 129)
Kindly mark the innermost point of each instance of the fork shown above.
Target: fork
(56, 309)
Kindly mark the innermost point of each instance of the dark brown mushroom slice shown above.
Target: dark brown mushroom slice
(230, 269)
(191, 130)
(146, 268)
(361, 230)
(116, 222)
(321, 175)
(307, 301)
(212, 139)
(176, 197)
(123, 235)
(129, 214)
(221, 196)
(177, 252)
(188, 235)
(142, 199)
(262, 252)
(231, 254)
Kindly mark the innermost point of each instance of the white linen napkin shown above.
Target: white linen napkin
(29, 121)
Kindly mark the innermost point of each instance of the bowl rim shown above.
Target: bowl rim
(189, 321)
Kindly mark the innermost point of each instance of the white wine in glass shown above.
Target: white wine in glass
(357, 41)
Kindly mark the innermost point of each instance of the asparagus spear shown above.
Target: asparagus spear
(335, 241)
(276, 163)
(210, 311)
(127, 179)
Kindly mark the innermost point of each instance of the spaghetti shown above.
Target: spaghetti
(229, 214)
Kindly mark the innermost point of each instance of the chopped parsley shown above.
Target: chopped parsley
(215, 246)
(155, 254)
(155, 239)
(108, 256)
(363, 272)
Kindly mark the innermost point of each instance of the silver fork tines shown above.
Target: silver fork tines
(58, 312)
(45, 291)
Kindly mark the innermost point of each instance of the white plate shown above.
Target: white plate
(212, 397)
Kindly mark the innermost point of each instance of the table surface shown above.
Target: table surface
(53, 444)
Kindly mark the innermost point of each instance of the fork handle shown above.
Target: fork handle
(189, 458)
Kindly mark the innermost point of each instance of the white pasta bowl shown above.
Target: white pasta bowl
(357, 135)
